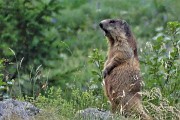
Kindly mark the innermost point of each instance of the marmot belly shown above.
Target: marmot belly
(124, 81)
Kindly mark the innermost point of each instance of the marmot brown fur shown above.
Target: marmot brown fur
(121, 72)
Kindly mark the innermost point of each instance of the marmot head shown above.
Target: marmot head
(118, 33)
(115, 29)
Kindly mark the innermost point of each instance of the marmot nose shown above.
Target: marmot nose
(101, 25)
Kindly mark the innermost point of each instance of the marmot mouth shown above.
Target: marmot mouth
(107, 33)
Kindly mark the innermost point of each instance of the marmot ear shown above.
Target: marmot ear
(127, 29)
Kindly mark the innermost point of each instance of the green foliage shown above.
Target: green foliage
(1, 79)
(28, 29)
(66, 109)
(54, 99)
(97, 59)
(1, 70)
(161, 58)
(5, 85)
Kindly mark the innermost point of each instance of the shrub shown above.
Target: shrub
(160, 66)
(160, 60)
(28, 29)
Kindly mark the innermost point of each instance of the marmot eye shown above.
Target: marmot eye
(112, 21)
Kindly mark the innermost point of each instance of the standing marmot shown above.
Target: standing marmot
(121, 71)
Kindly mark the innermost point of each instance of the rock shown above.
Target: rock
(97, 114)
(13, 109)
(93, 114)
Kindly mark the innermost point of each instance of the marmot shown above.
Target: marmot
(121, 72)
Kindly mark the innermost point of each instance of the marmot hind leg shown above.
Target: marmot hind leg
(135, 106)
(129, 106)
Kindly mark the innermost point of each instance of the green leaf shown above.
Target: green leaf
(94, 72)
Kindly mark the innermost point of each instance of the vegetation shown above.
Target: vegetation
(52, 53)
